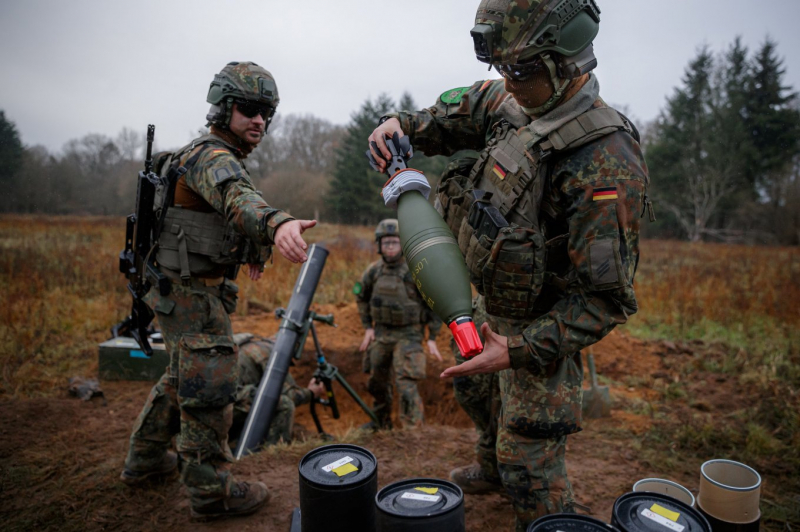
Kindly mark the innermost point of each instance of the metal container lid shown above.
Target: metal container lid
(419, 497)
(569, 523)
(337, 466)
(652, 512)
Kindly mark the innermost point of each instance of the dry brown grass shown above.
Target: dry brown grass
(62, 292)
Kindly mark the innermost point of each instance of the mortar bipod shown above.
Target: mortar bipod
(325, 372)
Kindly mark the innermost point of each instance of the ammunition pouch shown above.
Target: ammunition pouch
(514, 273)
(198, 243)
(391, 305)
(452, 191)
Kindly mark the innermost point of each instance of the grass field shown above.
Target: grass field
(729, 314)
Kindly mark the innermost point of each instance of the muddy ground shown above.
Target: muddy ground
(60, 458)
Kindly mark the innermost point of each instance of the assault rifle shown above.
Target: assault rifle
(296, 323)
(137, 260)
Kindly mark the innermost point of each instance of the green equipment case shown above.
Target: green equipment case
(121, 359)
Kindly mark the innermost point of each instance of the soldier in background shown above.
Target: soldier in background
(567, 175)
(254, 353)
(394, 316)
(216, 222)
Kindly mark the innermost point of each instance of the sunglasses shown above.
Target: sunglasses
(522, 71)
(250, 109)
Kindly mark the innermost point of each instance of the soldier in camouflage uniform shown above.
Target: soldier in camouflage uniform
(394, 315)
(568, 180)
(254, 353)
(216, 221)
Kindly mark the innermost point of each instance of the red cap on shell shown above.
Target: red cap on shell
(466, 337)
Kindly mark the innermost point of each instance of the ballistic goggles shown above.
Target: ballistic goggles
(251, 109)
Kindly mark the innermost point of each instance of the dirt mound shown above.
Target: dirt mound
(61, 457)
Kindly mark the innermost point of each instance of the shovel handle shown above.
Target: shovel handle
(592, 371)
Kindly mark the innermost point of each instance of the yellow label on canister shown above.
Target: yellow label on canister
(663, 512)
(345, 469)
(429, 491)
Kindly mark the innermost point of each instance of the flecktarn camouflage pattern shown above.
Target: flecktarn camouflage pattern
(518, 30)
(246, 81)
(194, 399)
(479, 396)
(593, 182)
(389, 302)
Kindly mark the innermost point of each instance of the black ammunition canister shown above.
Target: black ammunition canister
(337, 489)
(653, 512)
(421, 505)
(570, 523)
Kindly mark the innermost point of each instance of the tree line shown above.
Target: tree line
(724, 159)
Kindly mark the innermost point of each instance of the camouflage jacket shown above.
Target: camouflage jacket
(597, 189)
(218, 181)
(387, 297)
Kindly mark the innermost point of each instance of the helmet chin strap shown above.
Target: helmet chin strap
(559, 84)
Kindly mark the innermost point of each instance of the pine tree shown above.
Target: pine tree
(693, 154)
(354, 195)
(11, 151)
(773, 122)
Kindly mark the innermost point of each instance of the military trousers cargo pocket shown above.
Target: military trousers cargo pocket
(207, 370)
(542, 406)
(514, 272)
(595, 249)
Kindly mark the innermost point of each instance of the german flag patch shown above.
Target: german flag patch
(485, 84)
(605, 193)
(499, 171)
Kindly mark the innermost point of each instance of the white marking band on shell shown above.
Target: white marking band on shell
(403, 182)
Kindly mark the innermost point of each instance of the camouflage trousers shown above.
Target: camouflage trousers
(540, 407)
(479, 396)
(193, 400)
(534, 473)
(400, 352)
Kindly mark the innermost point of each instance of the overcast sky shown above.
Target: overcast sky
(95, 66)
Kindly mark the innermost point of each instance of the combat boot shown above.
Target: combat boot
(168, 465)
(245, 498)
(472, 479)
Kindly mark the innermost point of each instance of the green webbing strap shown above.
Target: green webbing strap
(183, 256)
(591, 125)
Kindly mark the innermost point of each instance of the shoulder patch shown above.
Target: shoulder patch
(358, 288)
(222, 174)
(453, 95)
(485, 84)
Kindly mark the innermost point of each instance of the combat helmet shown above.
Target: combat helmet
(518, 37)
(387, 227)
(242, 82)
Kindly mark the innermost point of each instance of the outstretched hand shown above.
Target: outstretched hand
(289, 242)
(378, 136)
(494, 357)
